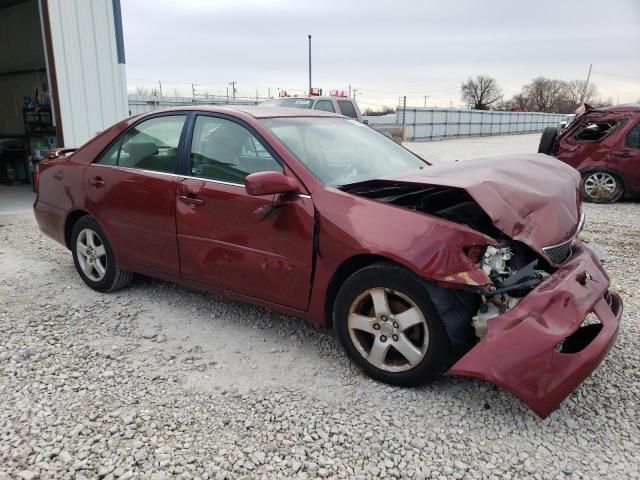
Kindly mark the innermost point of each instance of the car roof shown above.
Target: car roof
(314, 97)
(253, 110)
(625, 108)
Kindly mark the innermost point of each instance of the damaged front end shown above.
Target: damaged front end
(544, 319)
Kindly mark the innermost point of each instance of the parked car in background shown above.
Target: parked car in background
(566, 121)
(471, 269)
(342, 105)
(603, 144)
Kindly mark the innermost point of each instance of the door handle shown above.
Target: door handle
(622, 154)
(196, 202)
(97, 182)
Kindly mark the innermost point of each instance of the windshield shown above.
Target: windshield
(340, 151)
(288, 102)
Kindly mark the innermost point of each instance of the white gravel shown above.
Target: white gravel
(161, 381)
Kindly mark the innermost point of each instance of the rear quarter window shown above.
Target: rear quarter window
(346, 108)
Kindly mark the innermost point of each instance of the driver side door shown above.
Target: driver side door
(224, 239)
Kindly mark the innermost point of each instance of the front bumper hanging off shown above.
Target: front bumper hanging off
(522, 351)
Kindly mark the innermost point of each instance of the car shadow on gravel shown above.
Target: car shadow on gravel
(291, 352)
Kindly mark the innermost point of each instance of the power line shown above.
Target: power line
(616, 75)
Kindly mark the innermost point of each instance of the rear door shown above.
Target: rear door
(224, 237)
(131, 189)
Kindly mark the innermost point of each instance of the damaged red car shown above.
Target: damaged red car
(603, 144)
(471, 269)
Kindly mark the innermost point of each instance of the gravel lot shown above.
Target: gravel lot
(161, 381)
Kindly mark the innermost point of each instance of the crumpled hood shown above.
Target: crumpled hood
(532, 198)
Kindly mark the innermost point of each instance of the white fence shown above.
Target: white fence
(141, 104)
(421, 124)
(439, 123)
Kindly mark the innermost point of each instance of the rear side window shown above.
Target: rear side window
(595, 131)
(346, 108)
(325, 105)
(150, 145)
(633, 137)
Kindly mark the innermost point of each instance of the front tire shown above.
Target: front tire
(601, 187)
(94, 258)
(387, 324)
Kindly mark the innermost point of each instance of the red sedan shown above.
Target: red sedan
(465, 269)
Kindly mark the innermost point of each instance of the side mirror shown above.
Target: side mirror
(270, 183)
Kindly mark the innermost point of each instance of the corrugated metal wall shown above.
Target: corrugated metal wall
(439, 123)
(92, 89)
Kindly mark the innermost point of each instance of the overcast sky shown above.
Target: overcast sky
(382, 48)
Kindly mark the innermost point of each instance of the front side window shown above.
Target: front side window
(341, 151)
(150, 145)
(633, 137)
(226, 151)
(596, 130)
(347, 109)
(325, 105)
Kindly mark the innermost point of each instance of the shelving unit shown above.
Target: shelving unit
(39, 134)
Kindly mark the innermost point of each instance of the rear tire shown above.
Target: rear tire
(388, 325)
(549, 135)
(94, 258)
(601, 187)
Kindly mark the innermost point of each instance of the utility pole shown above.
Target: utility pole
(355, 92)
(425, 100)
(160, 83)
(193, 93)
(309, 64)
(349, 90)
(227, 94)
(256, 95)
(233, 89)
(404, 114)
(586, 85)
(269, 92)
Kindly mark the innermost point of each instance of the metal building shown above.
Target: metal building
(62, 72)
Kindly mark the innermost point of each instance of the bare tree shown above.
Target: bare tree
(521, 101)
(546, 94)
(480, 93)
(381, 111)
(578, 92)
(141, 91)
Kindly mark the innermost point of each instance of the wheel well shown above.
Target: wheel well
(70, 222)
(615, 173)
(344, 271)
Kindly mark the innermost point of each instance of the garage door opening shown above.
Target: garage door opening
(27, 118)
(62, 78)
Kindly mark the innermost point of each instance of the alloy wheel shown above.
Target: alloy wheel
(92, 255)
(600, 185)
(388, 329)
